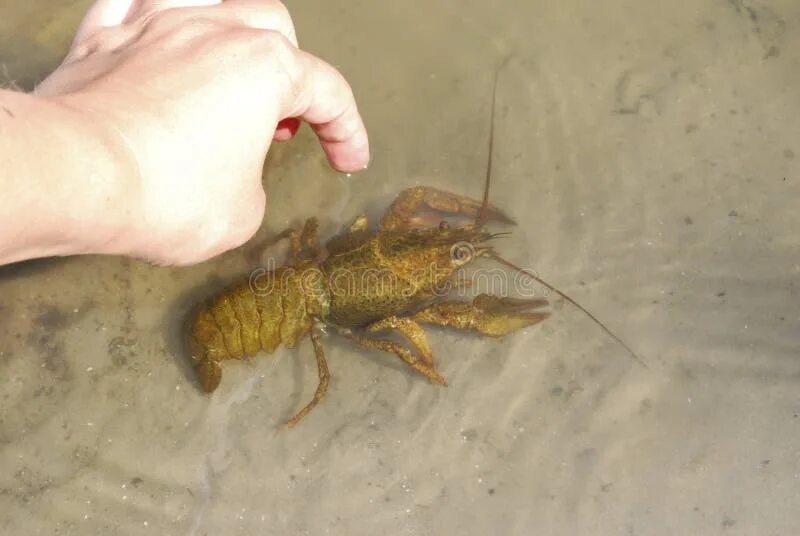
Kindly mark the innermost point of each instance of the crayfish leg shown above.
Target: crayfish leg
(487, 314)
(411, 330)
(400, 351)
(309, 240)
(361, 223)
(324, 379)
(402, 213)
(303, 243)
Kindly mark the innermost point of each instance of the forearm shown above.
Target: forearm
(65, 183)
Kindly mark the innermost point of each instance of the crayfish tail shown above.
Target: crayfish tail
(209, 373)
(207, 369)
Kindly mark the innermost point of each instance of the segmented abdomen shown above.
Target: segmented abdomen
(246, 320)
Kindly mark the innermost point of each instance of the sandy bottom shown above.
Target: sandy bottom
(649, 151)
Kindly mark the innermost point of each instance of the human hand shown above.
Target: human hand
(194, 91)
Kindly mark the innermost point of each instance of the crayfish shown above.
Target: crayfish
(364, 282)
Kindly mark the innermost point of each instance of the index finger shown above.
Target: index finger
(319, 94)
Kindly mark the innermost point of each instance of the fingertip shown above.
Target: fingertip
(349, 156)
(283, 135)
(325, 101)
(286, 129)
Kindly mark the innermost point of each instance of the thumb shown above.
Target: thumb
(102, 14)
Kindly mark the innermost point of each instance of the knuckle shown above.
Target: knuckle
(180, 23)
(268, 15)
(159, 20)
(350, 128)
(272, 43)
(86, 48)
(197, 26)
(283, 17)
(347, 95)
(278, 9)
(103, 40)
(270, 46)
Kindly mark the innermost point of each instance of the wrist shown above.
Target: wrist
(71, 184)
(103, 206)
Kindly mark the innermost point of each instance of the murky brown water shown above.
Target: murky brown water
(649, 151)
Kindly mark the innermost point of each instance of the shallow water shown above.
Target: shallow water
(648, 152)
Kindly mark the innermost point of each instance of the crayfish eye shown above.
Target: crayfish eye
(462, 253)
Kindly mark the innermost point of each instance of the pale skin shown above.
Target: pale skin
(150, 138)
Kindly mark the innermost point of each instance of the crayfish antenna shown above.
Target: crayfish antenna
(597, 321)
(484, 213)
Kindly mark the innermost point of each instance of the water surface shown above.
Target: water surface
(649, 152)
